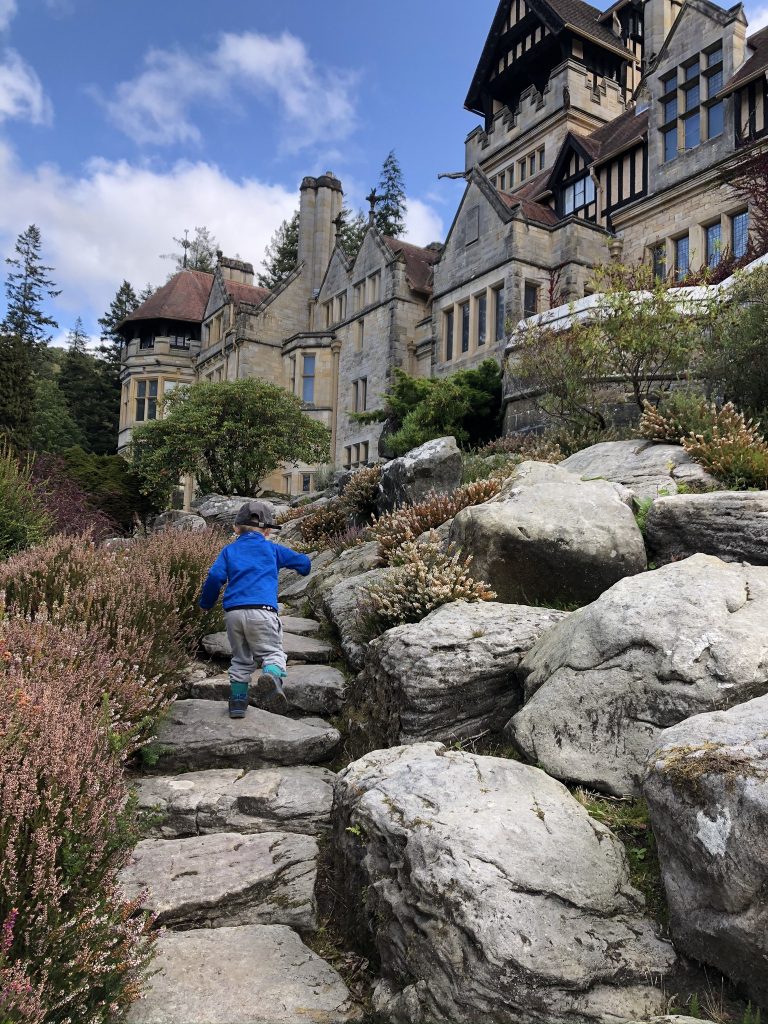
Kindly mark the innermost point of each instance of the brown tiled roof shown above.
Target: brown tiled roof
(626, 130)
(183, 298)
(755, 66)
(248, 293)
(583, 17)
(522, 199)
(418, 263)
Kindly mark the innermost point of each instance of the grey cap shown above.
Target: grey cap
(256, 513)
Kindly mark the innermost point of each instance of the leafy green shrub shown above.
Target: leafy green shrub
(735, 451)
(395, 529)
(678, 415)
(23, 518)
(112, 485)
(71, 947)
(426, 576)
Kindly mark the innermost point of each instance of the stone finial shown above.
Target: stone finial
(616, 249)
(373, 199)
(339, 224)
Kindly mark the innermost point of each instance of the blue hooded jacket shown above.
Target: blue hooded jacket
(249, 566)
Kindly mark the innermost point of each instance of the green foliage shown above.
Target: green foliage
(123, 304)
(53, 427)
(17, 389)
(630, 821)
(641, 513)
(353, 229)
(90, 394)
(229, 435)
(197, 254)
(679, 414)
(425, 576)
(27, 287)
(390, 212)
(23, 520)
(735, 362)
(112, 485)
(465, 405)
(282, 254)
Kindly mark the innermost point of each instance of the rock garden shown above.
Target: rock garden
(523, 778)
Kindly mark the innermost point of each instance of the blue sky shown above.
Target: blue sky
(122, 124)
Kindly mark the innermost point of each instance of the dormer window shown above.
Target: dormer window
(578, 194)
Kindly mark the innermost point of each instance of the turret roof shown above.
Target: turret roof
(184, 297)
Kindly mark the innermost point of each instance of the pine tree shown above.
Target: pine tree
(53, 428)
(26, 288)
(199, 253)
(77, 339)
(390, 213)
(352, 232)
(110, 349)
(282, 253)
(90, 394)
(17, 390)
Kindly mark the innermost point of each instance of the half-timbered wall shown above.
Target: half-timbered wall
(622, 181)
(752, 112)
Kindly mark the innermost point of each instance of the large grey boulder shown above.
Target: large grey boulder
(175, 519)
(341, 604)
(225, 879)
(548, 537)
(652, 651)
(435, 466)
(297, 648)
(491, 894)
(197, 734)
(228, 800)
(221, 509)
(647, 468)
(293, 586)
(350, 563)
(451, 676)
(707, 789)
(730, 524)
(256, 974)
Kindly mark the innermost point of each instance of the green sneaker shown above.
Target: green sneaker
(238, 698)
(269, 693)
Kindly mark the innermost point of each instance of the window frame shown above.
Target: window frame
(531, 288)
(308, 378)
(449, 327)
(466, 326)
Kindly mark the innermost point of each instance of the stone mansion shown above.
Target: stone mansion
(604, 135)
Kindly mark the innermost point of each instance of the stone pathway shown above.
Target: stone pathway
(229, 865)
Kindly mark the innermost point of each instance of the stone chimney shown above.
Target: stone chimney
(658, 18)
(236, 270)
(321, 202)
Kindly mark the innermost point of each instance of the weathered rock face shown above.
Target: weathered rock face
(341, 604)
(311, 689)
(227, 800)
(271, 978)
(293, 587)
(492, 895)
(350, 563)
(730, 524)
(198, 734)
(435, 466)
(220, 510)
(226, 879)
(452, 675)
(651, 652)
(707, 788)
(297, 648)
(648, 469)
(548, 537)
(178, 520)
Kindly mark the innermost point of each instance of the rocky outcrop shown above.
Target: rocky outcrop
(310, 689)
(297, 648)
(226, 879)
(229, 800)
(293, 587)
(435, 466)
(350, 563)
(341, 604)
(221, 509)
(730, 524)
(646, 468)
(490, 894)
(548, 537)
(707, 789)
(198, 734)
(175, 519)
(451, 676)
(257, 974)
(654, 650)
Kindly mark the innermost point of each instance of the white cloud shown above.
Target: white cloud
(115, 220)
(157, 106)
(422, 223)
(21, 92)
(7, 13)
(758, 18)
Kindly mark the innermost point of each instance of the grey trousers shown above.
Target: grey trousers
(256, 638)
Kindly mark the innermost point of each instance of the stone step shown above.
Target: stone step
(313, 689)
(299, 626)
(199, 734)
(226, 879)
(297, 648)
(226, 800)
(258, 974)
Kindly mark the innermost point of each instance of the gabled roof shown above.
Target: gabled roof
(248, 293)
(575, 15)
(524, 199)
(418, 263)
(184, 297)
(628, 129)
(754, 67)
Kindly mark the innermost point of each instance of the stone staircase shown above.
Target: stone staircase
(229, 867)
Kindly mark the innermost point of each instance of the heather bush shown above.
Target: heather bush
(326, 522)
(534, 447)
(359, 497)
(72, 950)
(426, 576)
(735, 451)
(395, 529)
(352, 537)
(24, 520)
(678, 415)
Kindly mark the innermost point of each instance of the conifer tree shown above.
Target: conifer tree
(123, 304)
(390, 213)
(54, 428)
(90, 394)
(352, 232)
(26, 288)
(199, 253)
(282, 253)
(146, 292)
(17, 390)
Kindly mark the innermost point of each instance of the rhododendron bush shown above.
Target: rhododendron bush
(92, 642)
